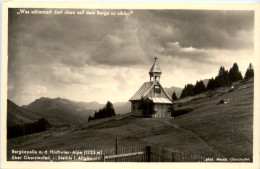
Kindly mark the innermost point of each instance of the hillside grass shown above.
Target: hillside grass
(211, 129)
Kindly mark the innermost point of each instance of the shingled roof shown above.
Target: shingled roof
(142, 91)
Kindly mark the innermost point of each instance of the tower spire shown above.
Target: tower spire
(155, 71)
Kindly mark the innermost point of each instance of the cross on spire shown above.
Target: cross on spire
(155, 58)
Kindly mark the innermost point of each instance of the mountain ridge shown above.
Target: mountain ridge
(60, 111)
(172, 89)
(17, 115)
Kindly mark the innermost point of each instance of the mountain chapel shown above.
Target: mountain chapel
(154, 91)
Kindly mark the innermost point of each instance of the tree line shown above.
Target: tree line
(28, 128)
(107, 111)
(224, 78)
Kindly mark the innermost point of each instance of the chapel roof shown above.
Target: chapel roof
(145, 89)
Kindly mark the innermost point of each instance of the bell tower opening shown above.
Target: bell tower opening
(155, 71)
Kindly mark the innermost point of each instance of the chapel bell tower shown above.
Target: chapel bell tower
(155, 71)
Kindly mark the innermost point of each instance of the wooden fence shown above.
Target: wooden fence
(126, 154)
(141, 154)
(159, 154)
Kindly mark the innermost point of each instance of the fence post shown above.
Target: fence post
(173, 156)
(103, 157)
(116, 146)
(148, 153)
(116, 149)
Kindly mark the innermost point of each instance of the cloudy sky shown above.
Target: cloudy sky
(100, 58)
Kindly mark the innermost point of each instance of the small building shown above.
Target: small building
(153, 91)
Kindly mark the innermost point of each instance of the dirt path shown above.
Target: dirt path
(193, 134)
(167, 122)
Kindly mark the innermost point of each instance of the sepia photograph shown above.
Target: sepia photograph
(130, 85)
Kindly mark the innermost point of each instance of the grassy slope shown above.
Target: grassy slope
(228, 128)
(212, 130)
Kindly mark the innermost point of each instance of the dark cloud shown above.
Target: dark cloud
(48, 53)
(77, 40)
(200, 28)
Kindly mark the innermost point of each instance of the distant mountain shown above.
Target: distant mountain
(60, 111)
(205, 81)
(17, 115)
(122, 107)
(170, 91)
(90, 105)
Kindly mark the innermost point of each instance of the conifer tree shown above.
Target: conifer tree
(184, 92)
(146, 106)
(187, 91)
(234, 73)
(249, 72)
(110, 111)
(199, 87)
(107, 111)
(211, 84)
(222, 78)
(196, 88)
(174, 97)
(190, 89)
